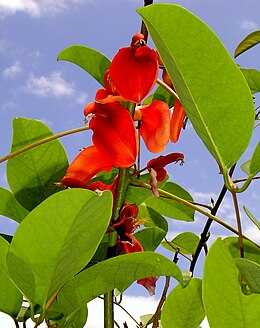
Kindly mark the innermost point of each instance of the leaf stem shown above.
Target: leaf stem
(167, 88)
(187, 203)
(43, 141)
(108, 310)
(239, 226)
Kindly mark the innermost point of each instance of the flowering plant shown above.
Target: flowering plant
(91, 227)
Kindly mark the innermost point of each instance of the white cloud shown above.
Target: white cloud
(9, 105)
(47, 86)
(37, 8)
(12, 70)
(248, 24)
(82, 98)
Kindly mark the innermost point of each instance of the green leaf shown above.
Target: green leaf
(187, 242)
(91, 60)
(161, 94)
(252, 77)
(10, 207)
(246, 167)
(211, 87)
(248, 42)
(138, 195)
(56, 240)
(252, 217)
(172, 208)
(10, 297)
(255, 161)
(183, 306)
(150, 238)
(251, 251)
(120, 272)
(151, 218)
(251, 271)
(32, 174)
(225, 304)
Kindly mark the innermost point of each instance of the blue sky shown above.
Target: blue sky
(35, 85)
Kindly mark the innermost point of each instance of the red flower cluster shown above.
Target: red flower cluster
(131, 76)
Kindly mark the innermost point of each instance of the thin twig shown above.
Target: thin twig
(167, 88)
(239, 227)
(175, 249)
(43, 141)
(156, 315)
(244, 179)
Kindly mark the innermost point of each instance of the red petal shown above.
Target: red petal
(134, 71)
(177, 119)
(149, 284)
(85, 166)
(155, 126)
(104, 97)
(132, 248)
(114, 133)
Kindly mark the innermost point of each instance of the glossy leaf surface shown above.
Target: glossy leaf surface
(120, 271)
(91, 60)
(10, 207)
(211, 87)
(224, 301)
(10, 297)
(248, 42)
(150, 238)
(61, 234)
(172, 208)
(183, 306)
(32, 174)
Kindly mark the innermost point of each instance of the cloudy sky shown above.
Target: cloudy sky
(33, 84)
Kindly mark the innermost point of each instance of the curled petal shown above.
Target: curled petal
(160, 162)
(177, 119)
(134, 71)
(155, 126)
(149, 284)
(132, 247)
(86, 165)
(104, 97)
(114, 133)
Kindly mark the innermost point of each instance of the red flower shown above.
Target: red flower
(155, 125)
(149, 284)
(85, 166)
(158, 164)
(114, 133)
(177, 119)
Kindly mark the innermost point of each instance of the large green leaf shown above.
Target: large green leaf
(150, 238)
(118, 272)
(91, 60)
(225, 304)
(183, 306)
(187, 243)
(32, 174)
(172, 208)
(252, 77)
(10, 297)
(10, 207)
(211, 87)
(248, 42)
(251, 271)
(56, 240)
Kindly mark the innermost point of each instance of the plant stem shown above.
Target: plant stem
(167, 88)
(143, 26)
(43, 141)
(187, 203)
(16, 323)
(239, 227)
(108, 310)
(205, 233)
(156, 315)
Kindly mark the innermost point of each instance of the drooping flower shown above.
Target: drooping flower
(85, 166)
(114, 133)
(126, 241)
(177, 120)
(155, 125)
(158, 164)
